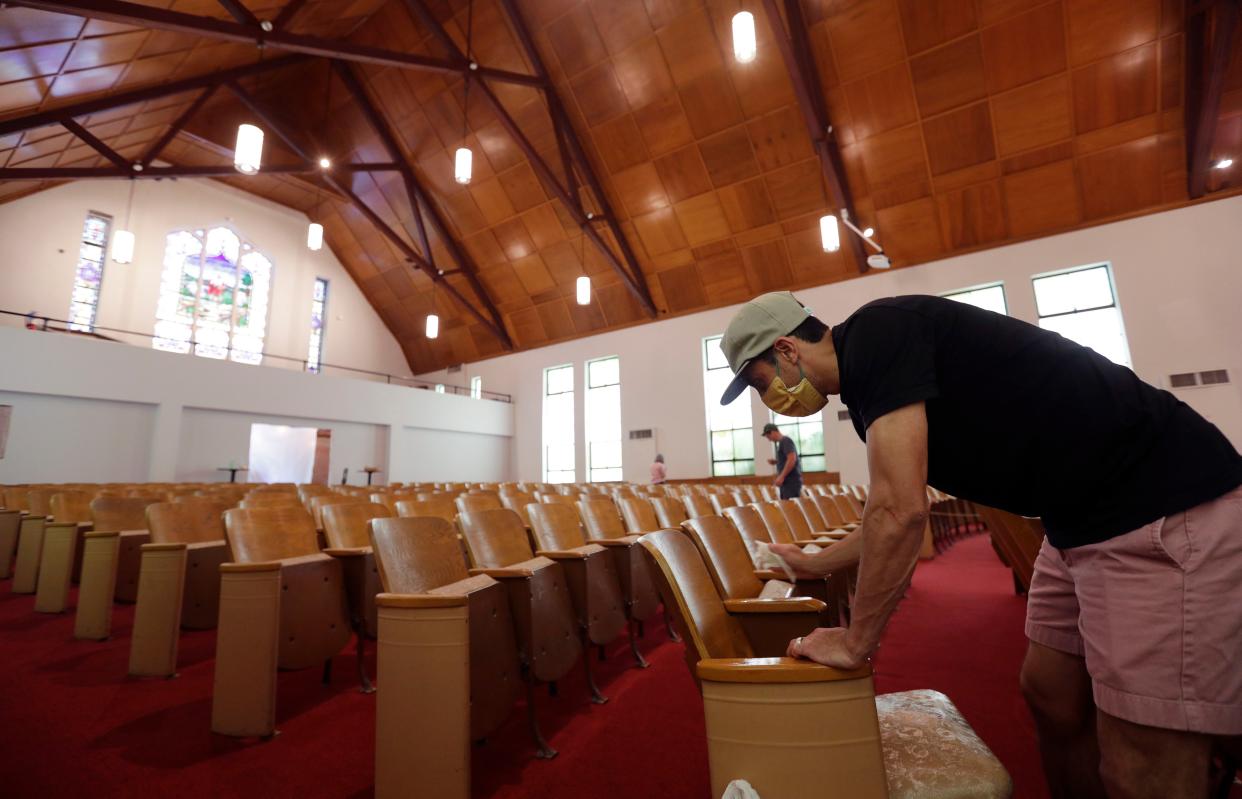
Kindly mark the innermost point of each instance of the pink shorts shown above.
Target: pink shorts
(1157, 614)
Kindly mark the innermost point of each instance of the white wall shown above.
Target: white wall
(1179, 283)
(88, 410)
(42, 232)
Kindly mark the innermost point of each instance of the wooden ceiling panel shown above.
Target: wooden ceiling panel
(865, 37)
(949, 76)
(927, 23)
(1032, 116)
(1116, 89)
(1098, 28)
(1024, 48)
(1122, 179)
(959, 139)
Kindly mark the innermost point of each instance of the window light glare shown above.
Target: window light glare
(744, 44)
(122, 247)
(249, 150)
(829, 233)
(314, 236)
(584, 290)
(463, 163)
(1224, 163)
(433, 325)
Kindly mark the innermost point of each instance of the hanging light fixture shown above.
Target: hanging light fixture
(314, 236)
(582, 287)
(123, 240)
(744, 44)
(433, 318)
(463, 159)
(829, 233)
(248, 153)
(584, 290)
(314, 232)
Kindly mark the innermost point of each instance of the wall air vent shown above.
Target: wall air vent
(637, 434)
(1214, 377)
(1183, 380)
(843, 416)
(453, 369)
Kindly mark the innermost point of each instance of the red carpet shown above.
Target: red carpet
(71, 723)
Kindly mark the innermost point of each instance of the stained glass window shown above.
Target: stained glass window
(213, 296)
(89, 274)
(318, 307)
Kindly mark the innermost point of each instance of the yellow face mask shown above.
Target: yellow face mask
(801, 400)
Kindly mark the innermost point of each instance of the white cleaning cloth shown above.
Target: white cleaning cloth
(764, 558)
(739, 789)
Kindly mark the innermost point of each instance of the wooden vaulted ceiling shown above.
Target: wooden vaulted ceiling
(960, 124)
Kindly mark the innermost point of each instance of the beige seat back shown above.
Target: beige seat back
(556, 526)
(496, 538)
(440, 507)
(639, 515)
(669, 511)
(120, 513)
(190, 521)
(346, 524)
(601, 519)
(725, 554)
(39, 499)
(257, 535)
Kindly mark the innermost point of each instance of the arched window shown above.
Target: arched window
(213, 296)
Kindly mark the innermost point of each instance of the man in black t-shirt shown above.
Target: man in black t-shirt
(1135, 610)
(788, 466)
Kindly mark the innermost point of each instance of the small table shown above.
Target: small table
(232, 470)
(371, 470)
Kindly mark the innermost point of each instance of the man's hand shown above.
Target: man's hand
(826, 645)
(771, 461)
(802, 564)
(780, 478)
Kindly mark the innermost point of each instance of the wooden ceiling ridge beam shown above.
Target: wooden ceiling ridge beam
(419, 198)
(239, 12)
(632, 272)
(794, 44)
(107, 103)
(85, 135)
(172, 171)
(1206, 64)
(150, 17)
(286, 15)
(384, 228)
(177, 126)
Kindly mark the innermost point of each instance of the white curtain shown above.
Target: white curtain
(280, 454)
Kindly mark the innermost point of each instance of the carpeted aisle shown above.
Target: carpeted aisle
(71, 723)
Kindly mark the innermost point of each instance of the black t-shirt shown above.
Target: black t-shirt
(1026, 420)
(784, 448)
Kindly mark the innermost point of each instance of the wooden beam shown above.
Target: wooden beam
(418, 196)
(633, 280)
(286, 15)
(56, 115)
(795, 48)
(1209, 41)
(162, 19)
(239, 12)
(162, 172)
(99, 147)
(177, 126)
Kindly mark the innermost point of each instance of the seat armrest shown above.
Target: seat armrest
(197, 545)
(623, 541)
(771, 574)
(774, 670)
(793, 604)
(347, 552)
(577, 553)
(164, 547)
(420, 600)
(247, 568)
(100, 534)
(503, 574)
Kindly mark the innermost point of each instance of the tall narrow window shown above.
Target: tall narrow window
(89, 275)
(213, 296)
(319, 306)
(558, 424)
(603, 420)
(729, 427)
(1082, 306)
(439, 388)
(989, 298)
(476, 387)
(807, 433)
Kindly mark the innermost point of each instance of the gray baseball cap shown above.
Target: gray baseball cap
(753, 329)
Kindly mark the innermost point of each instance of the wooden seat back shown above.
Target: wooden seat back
(71, 506)
(517, 501)
(1018, 537)
(416, 554)
(725, 499)
(120, 513)
(601, 519)
(669, 511)
(483, 500)
(851, 508)
(725, 554)
(271, 499)
(556, 526)
(749, 523)
(495, 538)
(190, 521)
(346, 524)
(440, 507)
(554, 496)
(639, 515)
(697, 504)
(829, 510)
(39, 499)
(774, 520)
(795, 520)
(321, 501)
(257, 535)
(811, 512)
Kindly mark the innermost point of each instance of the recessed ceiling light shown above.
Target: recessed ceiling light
(1223, 163)
(324, 163)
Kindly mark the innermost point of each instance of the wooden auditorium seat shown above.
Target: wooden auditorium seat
(517, 501)
(798, 524)
(778, 529)
(795, 729)
(725, 499)
(346, 526)
(540, 599)
(639, 515)
(697, 504)
(441, 507)
(111, 558)
(603, 525)
(282, 605)
(669, 511)
(831, 512)
(473, 502)
(448, 660)
(1017, 538)
(557, 528)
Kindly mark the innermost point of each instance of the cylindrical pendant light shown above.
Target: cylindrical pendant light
(583, 287)
(314, 236)
(122, 246)
(744, 44)
(249, 151)
(463, 164)
(433, 325)
(829, 233)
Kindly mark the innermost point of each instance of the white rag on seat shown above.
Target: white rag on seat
(739, 789)
(764, 558)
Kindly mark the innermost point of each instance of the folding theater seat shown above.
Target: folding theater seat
(441, 507)
(1018, 539)
(539, 596)
(725, 499)
(603, 526)
(594, 575)
(639, 515)
(750, 525)
(39, 499)
(517, 501)
(774, 520)
(448, 660)
(798, 525)
(831, 512)
(111, 557)
(347, 528)
(795, 729)
(698, 505)
(10, 526)
(282, 605)
(472, 503)
(554, 496)
(670, 513)
(729, 563)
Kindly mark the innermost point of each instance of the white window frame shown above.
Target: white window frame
(559, 475)
(747, 464)
(999, 284)
(1107, 267)
(611, 472)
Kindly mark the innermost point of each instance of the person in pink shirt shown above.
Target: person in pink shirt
(658, 472)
